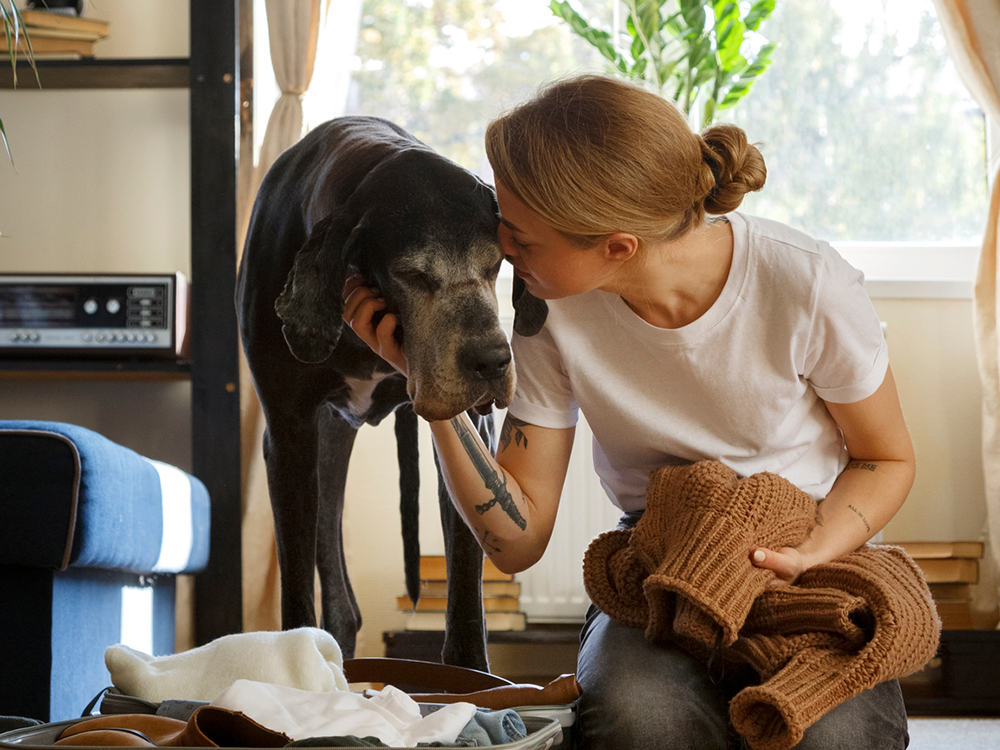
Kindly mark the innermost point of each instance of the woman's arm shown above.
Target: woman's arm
(866, 495)
(509, 502)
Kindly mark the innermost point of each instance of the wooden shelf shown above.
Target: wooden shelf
(94, 370)
(98, 73)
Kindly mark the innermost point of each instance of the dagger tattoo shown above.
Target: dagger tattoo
(493, 481)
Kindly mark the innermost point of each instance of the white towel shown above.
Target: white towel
(390, 714)
(305, 658)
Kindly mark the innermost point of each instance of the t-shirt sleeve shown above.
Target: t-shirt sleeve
(543, 395)
(847, 357)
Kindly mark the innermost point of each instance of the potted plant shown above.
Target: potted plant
(703, 54)
(13, 29)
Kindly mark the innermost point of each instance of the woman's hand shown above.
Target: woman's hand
(787, 563)
(361, 303)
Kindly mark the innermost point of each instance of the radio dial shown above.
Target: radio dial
(90, 306)
(113, 306)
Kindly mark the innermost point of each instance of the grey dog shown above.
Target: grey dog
(361, 195)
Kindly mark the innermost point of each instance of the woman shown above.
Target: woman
(681, 338)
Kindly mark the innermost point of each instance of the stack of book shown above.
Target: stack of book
(501, 598)
(950, 569)
(54, 35)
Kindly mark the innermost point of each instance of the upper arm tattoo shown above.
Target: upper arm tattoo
(494, 482)
(511, 430)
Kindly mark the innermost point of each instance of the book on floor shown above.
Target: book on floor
(490, 588)
(949, 570)
(942, 550)
(434, 620)
(440, 603)
(434, 568)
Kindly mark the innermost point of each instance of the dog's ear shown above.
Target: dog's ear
(311, 305)
(529, 311)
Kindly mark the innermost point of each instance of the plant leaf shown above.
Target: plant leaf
(6, 145)
(598, 38)
(760, 10)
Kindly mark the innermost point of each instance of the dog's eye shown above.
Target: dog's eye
(493, 271)
(419, 280)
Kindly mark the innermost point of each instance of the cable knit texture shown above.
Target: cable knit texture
(684, 574)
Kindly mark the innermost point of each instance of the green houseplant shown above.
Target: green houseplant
(13, 29)
(703, 54)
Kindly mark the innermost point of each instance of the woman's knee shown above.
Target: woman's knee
(872, 720)
(629, 721)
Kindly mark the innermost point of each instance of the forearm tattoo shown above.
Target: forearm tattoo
(862, 517)
(511, 429)
(489, 544)
(494, 482)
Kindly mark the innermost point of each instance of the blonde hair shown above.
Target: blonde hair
(592, 155)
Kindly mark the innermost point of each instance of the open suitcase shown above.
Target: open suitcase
(547, 724)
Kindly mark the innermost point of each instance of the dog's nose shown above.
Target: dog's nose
(488, 363)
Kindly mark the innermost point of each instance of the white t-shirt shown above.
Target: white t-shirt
(742, 384)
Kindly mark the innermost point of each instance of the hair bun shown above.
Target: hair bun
(736, 164)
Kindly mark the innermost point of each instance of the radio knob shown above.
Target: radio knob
(90, 306)
(113, 306)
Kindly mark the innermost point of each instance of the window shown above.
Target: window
(871, 140)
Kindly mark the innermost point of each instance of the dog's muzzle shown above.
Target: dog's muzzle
(485, 364)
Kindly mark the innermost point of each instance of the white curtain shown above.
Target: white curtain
(293, 31)
(972, 31)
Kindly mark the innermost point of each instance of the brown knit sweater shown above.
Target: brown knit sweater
(684, 574)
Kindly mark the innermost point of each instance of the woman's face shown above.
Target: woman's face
(550, 264)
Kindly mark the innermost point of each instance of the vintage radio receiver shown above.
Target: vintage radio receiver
(70, 315)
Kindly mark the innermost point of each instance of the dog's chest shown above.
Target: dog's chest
(360, 392)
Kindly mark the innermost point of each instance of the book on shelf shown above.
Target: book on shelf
(46, 45)
(942, 550)
(46, 20)
(434, 620)
(440, 603)
(434, 568)
(40, 33)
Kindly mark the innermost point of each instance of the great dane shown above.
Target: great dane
(361, 195)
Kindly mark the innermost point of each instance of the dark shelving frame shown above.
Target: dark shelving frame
(212, 75)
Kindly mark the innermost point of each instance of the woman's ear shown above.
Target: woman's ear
(620, 246)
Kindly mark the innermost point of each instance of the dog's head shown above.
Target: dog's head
(424, 232)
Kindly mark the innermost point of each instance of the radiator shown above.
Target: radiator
(552, 589)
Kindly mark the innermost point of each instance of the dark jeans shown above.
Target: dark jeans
(640, 696)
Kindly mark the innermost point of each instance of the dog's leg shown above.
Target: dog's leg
(341, 614)
(290, 457)
(465, 622)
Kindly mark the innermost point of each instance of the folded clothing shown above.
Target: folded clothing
(303, 658)
(390, 714)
